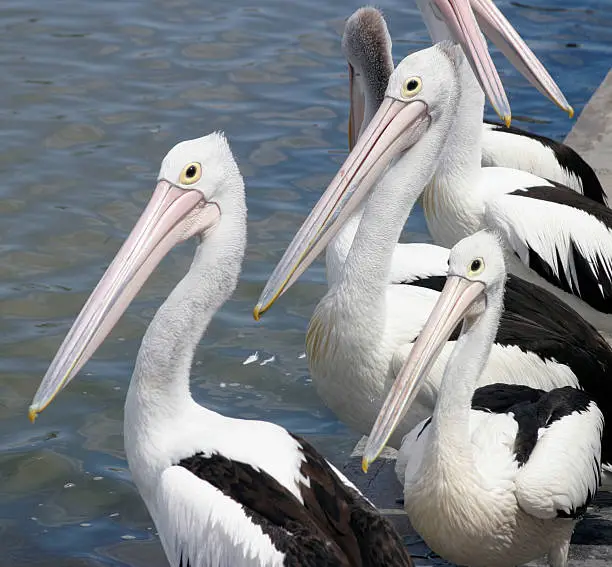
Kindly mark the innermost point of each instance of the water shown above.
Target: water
(93, 95)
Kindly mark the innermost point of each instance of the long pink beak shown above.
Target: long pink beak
(458, 295)
(394, 128)
(161, 226)
(464, 21)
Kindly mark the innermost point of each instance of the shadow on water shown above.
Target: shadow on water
(93, 95)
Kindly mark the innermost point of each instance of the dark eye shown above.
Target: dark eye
(191, 173)
(411, 87)
(476, 267)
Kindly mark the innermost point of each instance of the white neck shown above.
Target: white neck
(451, 417)
(460, 161)
(338, 248)
(160, 383)
(366, 271)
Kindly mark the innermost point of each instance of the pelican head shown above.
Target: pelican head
(190, 198)
(422, 94)
(366, 44)
(476, 277)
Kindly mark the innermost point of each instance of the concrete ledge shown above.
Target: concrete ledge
(592, 541)
(591, 544)
(591, 136)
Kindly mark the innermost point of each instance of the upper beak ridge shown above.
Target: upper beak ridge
(460, 19)
(455, 300)
(159, 228)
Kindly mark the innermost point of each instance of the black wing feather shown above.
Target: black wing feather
(533, 410)
(326, 531)
(589, 277)
(568, 159)
(537, 321)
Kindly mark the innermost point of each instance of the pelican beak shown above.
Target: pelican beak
(357, 109)
(395, 127)
(460, 19)
(172, 216)
(467, 19)
(499, 30)
(458, 295)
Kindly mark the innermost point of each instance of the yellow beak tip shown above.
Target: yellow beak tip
(365, 465)
(507, 120)
(257, 312)
(570, 111)
(32, 414)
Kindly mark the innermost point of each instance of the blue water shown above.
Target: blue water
(93, 95)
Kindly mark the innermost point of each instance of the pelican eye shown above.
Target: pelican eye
(476, 267)
(191, 173)
(411, 87)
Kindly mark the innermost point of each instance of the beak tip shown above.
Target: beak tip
(570, 111)
(507, 120)
(365, 465)
(257, 312)
(32, 413)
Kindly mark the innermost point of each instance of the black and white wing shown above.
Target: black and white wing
(563, 236)
(515, 148)
(563, 470)
(212, 509)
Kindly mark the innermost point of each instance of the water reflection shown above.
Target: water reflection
(94, 94)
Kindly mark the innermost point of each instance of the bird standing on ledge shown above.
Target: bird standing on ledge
(222, 492)
(499, 476)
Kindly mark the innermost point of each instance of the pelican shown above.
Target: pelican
(221, 491)
(366, 44)
(365, 326)
(554, 237)
(367, 47)
(501, 475)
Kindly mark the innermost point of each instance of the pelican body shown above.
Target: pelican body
(222, 492)
(498, 475)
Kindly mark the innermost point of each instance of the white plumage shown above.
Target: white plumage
(222, 492)
(500, 476)
(365, 326)
(367, 45)
(559, 235)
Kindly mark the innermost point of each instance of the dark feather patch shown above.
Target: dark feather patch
(325, 531)
(589, 277)
(425, 426)
(537, 321)
(567, 158)
(376, 538)
(533, 409)
(365, 41)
